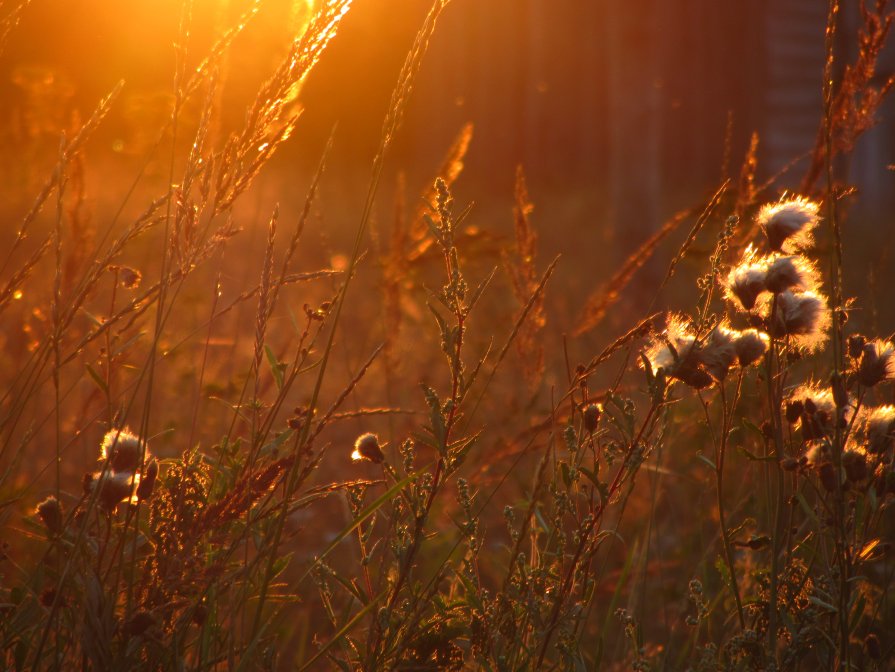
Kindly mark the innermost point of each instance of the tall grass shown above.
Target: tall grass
(397, 462)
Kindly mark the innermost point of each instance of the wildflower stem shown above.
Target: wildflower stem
(719, 475)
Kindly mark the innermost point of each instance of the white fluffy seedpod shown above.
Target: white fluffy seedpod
(718, 353)
(750, 345)
(879, 429)
(746, 282)
(820, 412)
(790, 272)
(122, 449)
(676, 351)
(877, 363)
(789, 224)
(367, 447)
(804, 316)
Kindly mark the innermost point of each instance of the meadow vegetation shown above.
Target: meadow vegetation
(222, 455)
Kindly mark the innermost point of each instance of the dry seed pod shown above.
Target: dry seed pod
(592, 417)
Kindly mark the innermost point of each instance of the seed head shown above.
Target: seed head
(854, 461)
(147, 483)
(122, 449)
(677, 353)
(747, 281)
(856, 343)
(877, 363)
(788, 224)
(828, 477)
(819, 410)
(879, 429)
(804, 316)
(50, 513)
(367, 448)
(114, 488)
(718, 353)
(592, 414)
(750, 345)
(790, 272)
(130, 278)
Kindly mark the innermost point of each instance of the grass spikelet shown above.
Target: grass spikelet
(520, 265)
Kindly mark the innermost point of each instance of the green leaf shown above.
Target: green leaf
(98, 380)
(756, 458)
(276, 368)
(702, 458)
(342, 631)
(363, 515)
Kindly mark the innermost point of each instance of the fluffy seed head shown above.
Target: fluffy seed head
(677, 353)
(879, 429)
(718, 353)
(877, 363)
(113, 488)
(367, 448)
(122, 449)
(750, 345)
(788, 224)
(819, 411)
(804, 316)
(50, 512)
(746, 281)
(854, 462)
(790, 272)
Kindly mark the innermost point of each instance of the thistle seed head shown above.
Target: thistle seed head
(122, 449)
(803, 316)
(790, 272)
(750, 346)
(746, 282)
(50, 513)
(879, 429)
(367, 448)
(877, 363)
(788, 224)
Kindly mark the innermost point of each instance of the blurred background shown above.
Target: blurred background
(620, 113)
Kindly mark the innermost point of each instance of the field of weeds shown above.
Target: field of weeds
(243, 426)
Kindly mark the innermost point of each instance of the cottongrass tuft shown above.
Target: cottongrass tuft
(367, 448)
(788, 224)
(877, 363)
